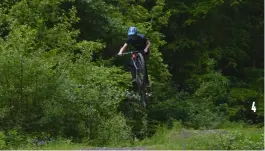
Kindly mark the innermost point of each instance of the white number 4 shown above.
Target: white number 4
(253, 107)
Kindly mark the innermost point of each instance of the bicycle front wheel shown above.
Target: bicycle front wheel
(140, 69)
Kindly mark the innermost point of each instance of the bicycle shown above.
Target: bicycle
(139, 64)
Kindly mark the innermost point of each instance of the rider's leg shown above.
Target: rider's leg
(146, 78)
(133, 72)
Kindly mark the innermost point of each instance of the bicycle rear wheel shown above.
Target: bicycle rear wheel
(143, 98)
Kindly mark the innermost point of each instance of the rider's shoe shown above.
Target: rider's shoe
(148, 85)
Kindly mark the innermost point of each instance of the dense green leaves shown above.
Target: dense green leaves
(43, 80)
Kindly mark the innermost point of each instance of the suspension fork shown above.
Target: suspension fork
(134, 61)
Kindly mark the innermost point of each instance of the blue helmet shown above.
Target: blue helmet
(132, 31)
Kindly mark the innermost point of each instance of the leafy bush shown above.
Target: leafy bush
(234, 140)
(46, 86)
(179, 138)
(14, 139)
(2, 141)
(114, 132)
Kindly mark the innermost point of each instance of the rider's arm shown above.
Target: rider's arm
(123, 48)
(147, 44)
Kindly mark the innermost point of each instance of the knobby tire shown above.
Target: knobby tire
(140, 63)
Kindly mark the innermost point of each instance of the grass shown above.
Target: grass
(59, 146)
(219, 139)
(240, 137)
(56, 145)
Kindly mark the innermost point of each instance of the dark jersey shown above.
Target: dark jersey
(139, 43)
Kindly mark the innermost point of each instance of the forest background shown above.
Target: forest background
(62, 86)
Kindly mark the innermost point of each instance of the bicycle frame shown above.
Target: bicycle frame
(133, 58)
(134, 61)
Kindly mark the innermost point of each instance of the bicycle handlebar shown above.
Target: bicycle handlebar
(130, 52)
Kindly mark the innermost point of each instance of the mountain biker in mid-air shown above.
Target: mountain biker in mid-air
(141, 44)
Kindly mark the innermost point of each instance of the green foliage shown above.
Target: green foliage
(2, 140)
(14, 139)
(213, 87)
(231, 141)
(201, 109)
(114, 132)
(44, 80)
(181, 139)
(50, 143)
(241, 100)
